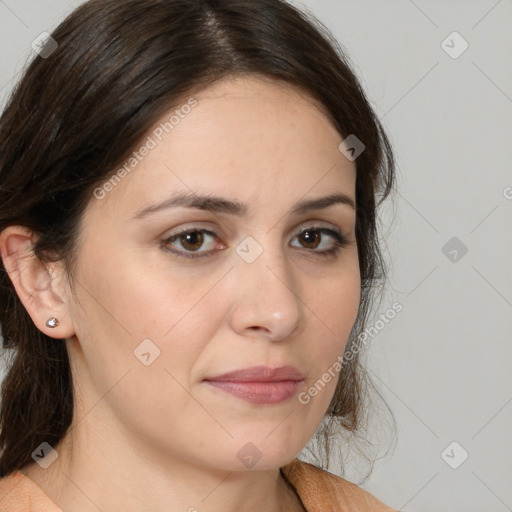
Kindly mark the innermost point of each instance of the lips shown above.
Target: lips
(260, 374)
(259, 384)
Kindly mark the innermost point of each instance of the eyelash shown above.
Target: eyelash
(340, 241)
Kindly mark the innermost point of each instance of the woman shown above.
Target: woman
(188, 233)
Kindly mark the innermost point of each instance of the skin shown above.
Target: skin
(157, 437)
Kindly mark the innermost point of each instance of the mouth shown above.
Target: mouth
(259, 384)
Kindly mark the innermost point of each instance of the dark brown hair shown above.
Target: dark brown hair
(78, 113)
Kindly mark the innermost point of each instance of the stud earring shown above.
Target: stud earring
(52, 322)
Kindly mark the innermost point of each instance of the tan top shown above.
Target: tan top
(319, 490)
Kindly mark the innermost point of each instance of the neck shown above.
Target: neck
(86, 478)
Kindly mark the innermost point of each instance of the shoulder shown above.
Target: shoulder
(20, 494)
(320, 490)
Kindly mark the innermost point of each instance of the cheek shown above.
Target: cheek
(127, 317)
(336, 304)
(125, 321)
(333, 314)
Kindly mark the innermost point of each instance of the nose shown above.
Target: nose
(266, 300)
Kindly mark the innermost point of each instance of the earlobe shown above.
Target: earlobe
(43, 296)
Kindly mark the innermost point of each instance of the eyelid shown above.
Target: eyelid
(341, 239)
(199, 226)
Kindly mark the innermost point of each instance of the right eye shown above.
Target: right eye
(190, 240)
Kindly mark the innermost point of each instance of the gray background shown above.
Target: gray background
(443, 364)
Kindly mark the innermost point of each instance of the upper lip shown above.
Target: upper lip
(260, 374)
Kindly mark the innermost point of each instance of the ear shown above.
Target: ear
(41, 287)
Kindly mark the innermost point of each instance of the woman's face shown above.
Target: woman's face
(159, 313)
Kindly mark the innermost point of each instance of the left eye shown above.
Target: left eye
(192, 240)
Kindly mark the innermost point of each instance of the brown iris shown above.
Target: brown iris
(192, 241)
(311, 237)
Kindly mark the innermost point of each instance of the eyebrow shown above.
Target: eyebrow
(217, 204)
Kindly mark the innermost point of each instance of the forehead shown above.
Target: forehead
(244, 137)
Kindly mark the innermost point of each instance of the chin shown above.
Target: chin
(255, 453)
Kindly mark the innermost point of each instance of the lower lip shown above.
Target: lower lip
(259, 392)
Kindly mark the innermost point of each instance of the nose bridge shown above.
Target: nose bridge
(267, 294)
